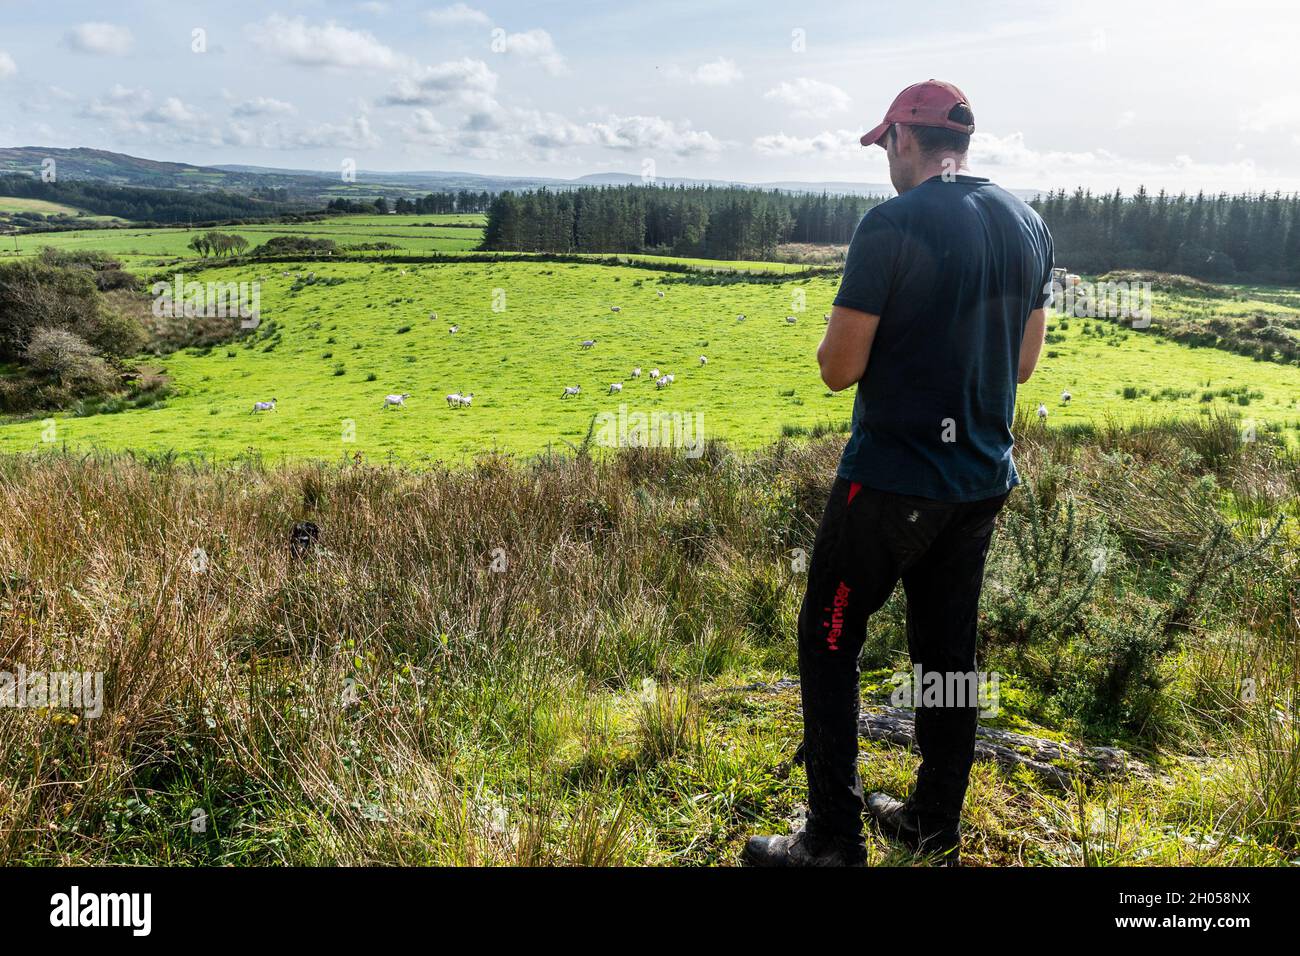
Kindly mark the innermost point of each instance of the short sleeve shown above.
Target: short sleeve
(1044, 294)
(870, 264)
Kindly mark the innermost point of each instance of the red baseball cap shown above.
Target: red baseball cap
(923, 104)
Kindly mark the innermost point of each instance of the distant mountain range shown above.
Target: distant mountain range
(120, 169)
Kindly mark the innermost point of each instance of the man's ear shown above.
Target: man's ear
(903, 139)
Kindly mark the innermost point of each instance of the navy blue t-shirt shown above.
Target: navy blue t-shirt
(953, 269)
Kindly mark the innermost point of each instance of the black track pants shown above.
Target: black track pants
(867, 541)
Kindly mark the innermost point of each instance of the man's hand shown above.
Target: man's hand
(1031, 346)
(846, 347)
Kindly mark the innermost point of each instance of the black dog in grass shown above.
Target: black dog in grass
(303, 539)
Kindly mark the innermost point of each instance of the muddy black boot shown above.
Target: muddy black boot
(897, 820)
(799, 849)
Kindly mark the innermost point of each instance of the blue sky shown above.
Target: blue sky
(1176, 95)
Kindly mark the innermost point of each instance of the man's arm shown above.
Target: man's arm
(1031, 346)
(846, 347)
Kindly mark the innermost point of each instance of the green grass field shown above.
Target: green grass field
(17, 204)
(411, 234)
(330, 353)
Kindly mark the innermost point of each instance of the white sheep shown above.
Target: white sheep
(263, 406)
(671, 378)
(466, 400)
(741, 317)
(393, 401)
(616, 308)
(454, 399)
(1066, 396)
(654, 373)
(1042, 412)
(615, 387)
(704, 360)
(660, 293)
(571, 391)
(453, 330)
(790, 320)
(433, 316)
(636, 372)
(589, 343)
(662, 382)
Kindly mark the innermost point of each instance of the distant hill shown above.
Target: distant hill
(119, 169)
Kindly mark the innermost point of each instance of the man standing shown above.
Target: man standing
(939, 315)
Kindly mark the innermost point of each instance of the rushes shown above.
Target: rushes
(455, 674)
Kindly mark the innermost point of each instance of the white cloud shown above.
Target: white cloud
(838, 143)
(374, 7)
(456, 14)
(1011, 159)
(535, 45)
(104, 39)
(719, 72)
(499, 132)
(172, 110)
(465, 81)
(812, 97)
(261, 106)
(646, 134)
(352, 134)
(121, 107)
(331, 46)
(7, 65)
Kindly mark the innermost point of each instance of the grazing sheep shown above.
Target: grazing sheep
(660, 293)
(671, 378)
(454, 399)
(741, 317)
(1042, 412)
(616, 308)
(790, 320)
(464, 401)
(589, 343)
(1066, 396)
(636, 372)
(263, 406)
(433, 316)
(454, 329)
(615, 387)
(571, 391)
(704, 360)
(393, 401)
(654, 373)
(662, 382)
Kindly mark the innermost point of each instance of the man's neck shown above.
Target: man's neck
(949, 164)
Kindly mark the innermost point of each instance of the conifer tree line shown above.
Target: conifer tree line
(715, 222)
(1250, 236)
(433, 203)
